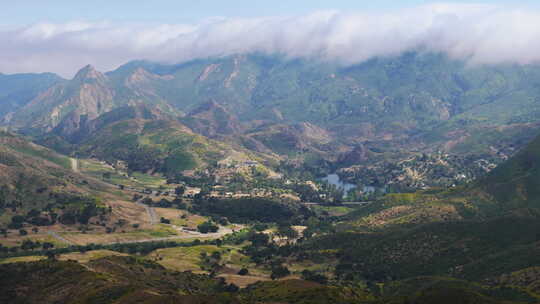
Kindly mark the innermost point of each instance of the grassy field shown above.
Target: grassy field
(75, 256)
(89, 255)
(189, 259)
(334, 210)
(157, 231)
(175, 216)
(15, 239)
(22, 259)
(127, 213)
(137, 180)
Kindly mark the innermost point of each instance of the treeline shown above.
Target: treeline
(29, 248)
(64, 208)
(253, 209)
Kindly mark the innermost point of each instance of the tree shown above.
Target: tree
(314, 277)
(47, 246)
(27, 245)
(147, 201)
(243, 272)
(16, 222)
(279, 272)
(164, 220)
(207, 227)
(259, 239)
(51, 255)
(216, 255)
(232, 288)
(260, 227)
(180, 190)
(287, 231)
(35, 229)
(23, 232)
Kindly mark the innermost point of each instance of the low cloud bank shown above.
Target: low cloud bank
(480, 34)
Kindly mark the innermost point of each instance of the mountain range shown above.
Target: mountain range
(392, 107)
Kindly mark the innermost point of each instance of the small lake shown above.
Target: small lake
(335, 180)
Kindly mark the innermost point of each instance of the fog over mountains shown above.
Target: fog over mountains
(479, 34)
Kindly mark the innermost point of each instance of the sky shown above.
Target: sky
(181, 11)
(61, 36)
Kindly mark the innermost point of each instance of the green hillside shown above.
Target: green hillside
(38, 186)
(516, 183)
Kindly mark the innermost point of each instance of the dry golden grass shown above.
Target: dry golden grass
(22, 259)
(89, 256)
(129, 211)
(107, 238)
(182, 258)
(189, 259)
(243, 281)
(174, 215)
(15, 239)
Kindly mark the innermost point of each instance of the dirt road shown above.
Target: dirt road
(74, 164)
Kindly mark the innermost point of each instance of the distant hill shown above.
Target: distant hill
(425, 98)
(309, 111)
(19, 89)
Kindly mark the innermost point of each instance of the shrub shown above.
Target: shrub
(243, 271)
(207, 227)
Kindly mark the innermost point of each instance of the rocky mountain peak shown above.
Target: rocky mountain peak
(89, 72)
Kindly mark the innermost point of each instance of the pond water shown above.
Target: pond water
(335, 180)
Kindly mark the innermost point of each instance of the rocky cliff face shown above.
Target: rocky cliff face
(65, 106)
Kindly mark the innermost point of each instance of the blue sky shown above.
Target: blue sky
(174, 11)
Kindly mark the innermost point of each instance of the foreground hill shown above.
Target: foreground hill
(515, 183)
(136, 280)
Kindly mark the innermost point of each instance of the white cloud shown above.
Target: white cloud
(478, 33)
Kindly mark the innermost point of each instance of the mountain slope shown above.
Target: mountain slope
(396, 107)
(18, 89)
(148, 140)
(67, 106)
(39, 185)
(516, 183)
